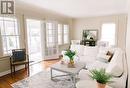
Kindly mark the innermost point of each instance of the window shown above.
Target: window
(10, 34)
(108, 33)
(60, 34)
(50, 34)
(66, 34)
(51, 48)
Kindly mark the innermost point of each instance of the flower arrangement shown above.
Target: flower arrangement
(71, 55)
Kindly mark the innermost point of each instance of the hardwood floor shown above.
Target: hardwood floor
(7, 80)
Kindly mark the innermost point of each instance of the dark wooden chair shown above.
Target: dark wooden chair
(19, 57)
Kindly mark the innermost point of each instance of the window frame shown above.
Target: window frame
(66, 33)
(53, 35)
(61, 34)
(16, 34)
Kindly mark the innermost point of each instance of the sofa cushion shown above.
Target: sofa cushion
(79, 49)
(104, 57)
(97, 65)
(116, 65)
(105, 54)
(104, 50)
(87, 59)
(90, 51)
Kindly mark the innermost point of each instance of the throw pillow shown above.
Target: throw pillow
(105, 54)
(110, 55)
(103, 57)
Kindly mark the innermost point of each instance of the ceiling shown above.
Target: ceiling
(82, 8)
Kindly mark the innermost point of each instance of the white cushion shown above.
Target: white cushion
(116, 65)
(90, 51)
(103, 57)
(97, 65)
(104, 50)
(87, 59)
(79, 49)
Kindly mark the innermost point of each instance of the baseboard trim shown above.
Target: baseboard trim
(4, 73)
(9, 71)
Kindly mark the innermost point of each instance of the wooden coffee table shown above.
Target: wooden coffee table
(72, 72)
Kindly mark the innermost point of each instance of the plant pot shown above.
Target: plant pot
(71, 64)
(99, 85)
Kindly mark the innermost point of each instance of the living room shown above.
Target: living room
(60, 26)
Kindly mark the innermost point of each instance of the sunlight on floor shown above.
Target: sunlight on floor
(36, 68)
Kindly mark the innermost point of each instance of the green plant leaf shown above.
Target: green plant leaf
(70, 54)
(100, 76)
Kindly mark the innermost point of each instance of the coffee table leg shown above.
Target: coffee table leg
(73, 79)
(51, 74)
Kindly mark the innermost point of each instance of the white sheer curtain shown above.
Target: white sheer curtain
(51, 37)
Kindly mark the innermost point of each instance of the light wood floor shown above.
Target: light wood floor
(7, 80)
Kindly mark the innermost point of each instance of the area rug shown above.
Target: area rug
(42, 80)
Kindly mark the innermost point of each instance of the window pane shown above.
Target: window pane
(50, 39)
(9, 28)
(59, 34)
(66, 34)
(11, 42)
(66, 39)
(50, 34)
(59, 39)
(34, 25)
(108, 33)
(59, 28)
(49, 25)
(66, 29)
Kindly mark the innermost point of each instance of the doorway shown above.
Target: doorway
(34, 40)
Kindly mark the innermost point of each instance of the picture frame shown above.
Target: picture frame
(90, 34)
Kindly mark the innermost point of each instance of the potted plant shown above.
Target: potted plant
(101, 77)
(71, 55)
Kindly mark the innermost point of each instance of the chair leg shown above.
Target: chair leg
(25, 66)
(28, 70)
(14, 68)
(11, 69)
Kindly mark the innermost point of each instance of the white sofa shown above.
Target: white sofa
(117, 66)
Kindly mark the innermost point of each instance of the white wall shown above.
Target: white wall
(95, 23)
(128, 43)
